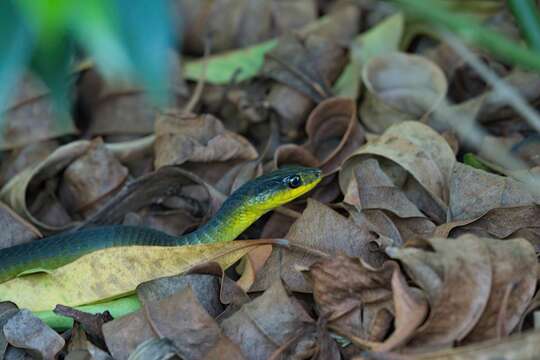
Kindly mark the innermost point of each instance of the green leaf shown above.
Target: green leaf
(16, 42)
(221, 68)
(146, 30)
(383, 38)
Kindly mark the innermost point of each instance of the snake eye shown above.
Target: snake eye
(294, 181)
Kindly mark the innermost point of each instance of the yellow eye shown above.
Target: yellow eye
(294, 181)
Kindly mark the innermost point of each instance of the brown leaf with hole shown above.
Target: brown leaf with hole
(267, 323)
(179, 317)
(474, 192)
(322, 229)
(400, 87)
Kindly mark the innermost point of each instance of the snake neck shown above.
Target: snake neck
(230, 221)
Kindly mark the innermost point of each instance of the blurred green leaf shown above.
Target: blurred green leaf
(384, 38)
(221, 68)
(146, 30)
(16, 42)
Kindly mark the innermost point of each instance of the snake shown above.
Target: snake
(241, 209)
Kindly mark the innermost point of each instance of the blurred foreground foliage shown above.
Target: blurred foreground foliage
(126, 39)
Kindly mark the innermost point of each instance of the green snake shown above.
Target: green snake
(238, 212)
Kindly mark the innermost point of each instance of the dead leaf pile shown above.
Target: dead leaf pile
(420, 242)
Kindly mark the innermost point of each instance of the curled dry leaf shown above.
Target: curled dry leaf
(201, 144)
(422, 153)
(180, 318)
(114, 272)
(352, 296)
(17, 191)
(322, 229)
(32, 117)
(474, 192)
(400, 87)
(17, 160)
(267, 323)
(492, 287)
(333, 134)
(161, 186)
(305, 66)
(26, 331)
(356, 299)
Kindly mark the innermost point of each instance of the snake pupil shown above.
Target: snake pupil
(295, 181)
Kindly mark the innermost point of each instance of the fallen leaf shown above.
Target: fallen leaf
(379, 40)
(92, 177)
(32, 116)
(7, 310)
(206, 289)
(417, 151)
(26, 331)
(322, 229)
(155, 349)
(114, 272)
(15, 229)
(180, 318)
(400, 87)
(474, 192)
(16, 192)
(265, 324)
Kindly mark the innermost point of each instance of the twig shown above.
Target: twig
(506, 92)
(472, 32)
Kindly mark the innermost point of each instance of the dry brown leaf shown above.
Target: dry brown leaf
(91, 178)
(267, 323)
(411, 157)
(24, 330)
(353, 297)
(474, 192)
(455, 266)
(32, 117)
(474, 288)
(323, 229)
(180, 318)
(19, 189)
(15, 230)
(17, 160)
(240, 23)
(400, 87)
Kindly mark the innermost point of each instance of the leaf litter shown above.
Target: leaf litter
(408, 249)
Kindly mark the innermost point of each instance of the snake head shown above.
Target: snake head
(279, 187)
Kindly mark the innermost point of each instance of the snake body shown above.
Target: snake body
(238, 212)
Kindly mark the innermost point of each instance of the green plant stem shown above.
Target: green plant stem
(468, 28)
(117, 308)
(526, 14)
